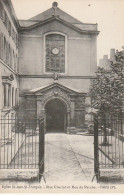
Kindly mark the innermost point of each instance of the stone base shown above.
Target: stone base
(121, 137)
(71, 130)
(112, 175)
(20, 174)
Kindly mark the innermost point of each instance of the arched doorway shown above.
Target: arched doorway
(56, 116)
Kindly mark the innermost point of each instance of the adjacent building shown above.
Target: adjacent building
(105, 61)
(9, 72)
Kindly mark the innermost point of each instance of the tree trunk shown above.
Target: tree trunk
(105, 140)
(105, 132)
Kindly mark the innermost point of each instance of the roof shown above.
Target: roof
(53, 12)
(11, 11)
(27, 23)
(48, 13)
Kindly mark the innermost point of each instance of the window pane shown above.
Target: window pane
(55, 53)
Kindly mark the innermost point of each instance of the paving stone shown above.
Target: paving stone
(68, 157)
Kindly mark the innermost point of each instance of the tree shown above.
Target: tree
(117, 72)
(107, 89)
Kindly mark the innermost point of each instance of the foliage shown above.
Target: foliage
(107, 88)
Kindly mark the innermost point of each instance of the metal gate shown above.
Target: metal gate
(22, 144)
(41, 148)
(108, 145)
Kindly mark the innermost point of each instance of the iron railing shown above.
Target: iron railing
(20, 143)
(108, 143)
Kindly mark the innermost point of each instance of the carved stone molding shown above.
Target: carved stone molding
(56, 93)
(80, 103)
(39, 98)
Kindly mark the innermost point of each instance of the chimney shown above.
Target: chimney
(112, 54)
(105, 61)
(101, 63)
(105, 57)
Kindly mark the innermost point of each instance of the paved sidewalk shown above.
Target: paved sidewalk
(68, 157)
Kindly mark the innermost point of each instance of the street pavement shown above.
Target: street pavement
(68, 157)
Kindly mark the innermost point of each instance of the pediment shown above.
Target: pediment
(81, 28)
(55, 88)
(39, 24)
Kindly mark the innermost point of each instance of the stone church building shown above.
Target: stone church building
(55, 61)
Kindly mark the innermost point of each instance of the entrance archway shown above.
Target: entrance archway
(56, 116)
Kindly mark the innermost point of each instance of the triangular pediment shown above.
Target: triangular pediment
(43, 89)
(34, 24)
(56, 14)
(79, 27)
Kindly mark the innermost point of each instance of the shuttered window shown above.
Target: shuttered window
(1, 46)
(1, 11)
(5, 49)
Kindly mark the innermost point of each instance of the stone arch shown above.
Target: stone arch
(56, 115)
(41, 102)
(64, 100)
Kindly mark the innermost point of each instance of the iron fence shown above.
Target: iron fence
(108, 143)
(41, 148)
(22, 144)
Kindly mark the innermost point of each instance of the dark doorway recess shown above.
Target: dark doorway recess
(56, 114)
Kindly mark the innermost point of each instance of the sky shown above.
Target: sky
(109, 14)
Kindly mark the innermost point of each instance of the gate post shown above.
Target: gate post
(41, 148)
(96, 149)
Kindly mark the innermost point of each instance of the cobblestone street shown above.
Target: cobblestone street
(68, 157)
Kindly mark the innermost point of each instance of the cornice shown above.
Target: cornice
(60, 76)
(9, 5)
(56, 18)
(39, 92)
(8, 77)
(7, 66)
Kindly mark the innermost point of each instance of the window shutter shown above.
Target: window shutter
(1, 9)
(1, 46)
(11, 57)
(7, 54)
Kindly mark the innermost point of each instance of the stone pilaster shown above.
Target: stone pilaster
(9, 98)
(68, 120)
(7, 94)
(40, 110)
(72, 98)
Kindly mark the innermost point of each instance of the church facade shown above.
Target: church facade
(57, 59)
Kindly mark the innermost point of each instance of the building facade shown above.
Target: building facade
(9, 75)
(54, 61)
(105, 61)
